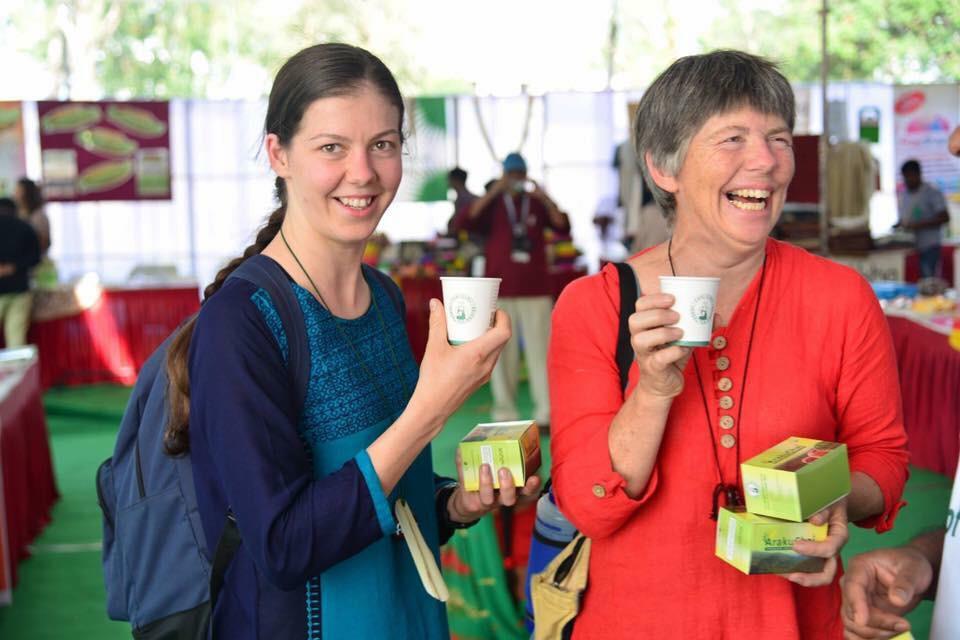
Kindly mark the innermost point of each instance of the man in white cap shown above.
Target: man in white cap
(513, 215)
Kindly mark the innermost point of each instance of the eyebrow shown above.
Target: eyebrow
(734, 128)
(333, 136)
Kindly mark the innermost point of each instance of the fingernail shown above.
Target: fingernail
(900, 593)
(433, 304)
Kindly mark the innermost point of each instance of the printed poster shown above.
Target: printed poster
(105, 150)
(13, 164)
(924, 116)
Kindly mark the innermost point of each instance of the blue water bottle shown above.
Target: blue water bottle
(551, 533)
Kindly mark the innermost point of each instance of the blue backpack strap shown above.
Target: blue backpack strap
(268, 275)
(628, 301)
(393, 291)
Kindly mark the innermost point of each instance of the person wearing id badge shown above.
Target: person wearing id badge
(513, 215)
(333, 493)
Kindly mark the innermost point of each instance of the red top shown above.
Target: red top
(519, 278)
(822, 367)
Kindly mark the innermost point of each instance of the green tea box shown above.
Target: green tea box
(757, 544)
(796, 478)
(514, 445)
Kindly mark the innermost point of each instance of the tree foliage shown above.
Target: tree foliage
(214, 49)
(881, 40)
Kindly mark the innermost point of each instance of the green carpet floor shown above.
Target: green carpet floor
(61, 595)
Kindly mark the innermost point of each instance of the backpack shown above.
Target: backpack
(157, 568)
(553, 533)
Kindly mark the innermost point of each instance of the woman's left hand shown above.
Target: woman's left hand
(835, 517)
(467, 506)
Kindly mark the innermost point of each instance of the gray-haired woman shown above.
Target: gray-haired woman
(799, 348)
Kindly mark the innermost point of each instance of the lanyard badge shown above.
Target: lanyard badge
(520, 250)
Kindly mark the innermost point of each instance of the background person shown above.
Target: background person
(19, 252)
(923, 210)
(30, 203)
(512, 215)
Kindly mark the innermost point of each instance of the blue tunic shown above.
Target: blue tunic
(319, 558)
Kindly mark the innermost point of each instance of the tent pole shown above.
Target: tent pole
(824, 145)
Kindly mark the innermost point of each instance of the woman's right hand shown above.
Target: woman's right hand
(450, 374)
(661, 364)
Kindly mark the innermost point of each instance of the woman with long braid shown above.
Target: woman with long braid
(314, 488)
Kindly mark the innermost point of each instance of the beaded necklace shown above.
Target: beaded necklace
(730, 491)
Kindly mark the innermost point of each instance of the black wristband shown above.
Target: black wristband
(443, 512)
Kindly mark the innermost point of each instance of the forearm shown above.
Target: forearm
(865, 499)
(558, 219)
(395, 450)
(635, 436)
(480, 204)
(930, 545)
(933, 223)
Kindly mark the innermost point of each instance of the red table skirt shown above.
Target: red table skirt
(911, 265)
(29, 488)
(110, 341)
(930, 386)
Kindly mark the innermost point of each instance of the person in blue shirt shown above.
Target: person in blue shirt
(314, 487)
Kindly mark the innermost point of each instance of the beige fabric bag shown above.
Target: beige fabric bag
(556, 591)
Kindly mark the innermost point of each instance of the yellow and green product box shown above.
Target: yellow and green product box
(906, 635)
(514, 445)
(757, 544)
(796, 478)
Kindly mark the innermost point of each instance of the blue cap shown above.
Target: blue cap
(514, 162)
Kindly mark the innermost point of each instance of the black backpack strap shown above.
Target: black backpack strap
(628, 300)
(227, 546)
(268, 275)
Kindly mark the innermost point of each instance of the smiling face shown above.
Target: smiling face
(343, 166)
(733, 181)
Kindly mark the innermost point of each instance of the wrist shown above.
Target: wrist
(644, 401)
(420, 422)
(450, 514)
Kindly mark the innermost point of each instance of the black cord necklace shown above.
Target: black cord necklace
(730, 491)
(346, 338)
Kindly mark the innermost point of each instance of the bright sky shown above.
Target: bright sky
(498, 45)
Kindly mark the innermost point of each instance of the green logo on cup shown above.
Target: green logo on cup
(702, 309)
(462, 308)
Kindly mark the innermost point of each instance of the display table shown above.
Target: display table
(911, 267)
(885, 264)
(110, 340)
(28, 488)
(930, 387)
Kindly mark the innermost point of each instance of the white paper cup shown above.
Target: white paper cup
(470, 305)
(695, 301)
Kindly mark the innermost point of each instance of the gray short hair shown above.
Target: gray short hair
(690, 92)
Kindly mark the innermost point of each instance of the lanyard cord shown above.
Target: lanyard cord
(346, 338)
(730, 491)
(517, 227)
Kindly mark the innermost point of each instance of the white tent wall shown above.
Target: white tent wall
(223, 188)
